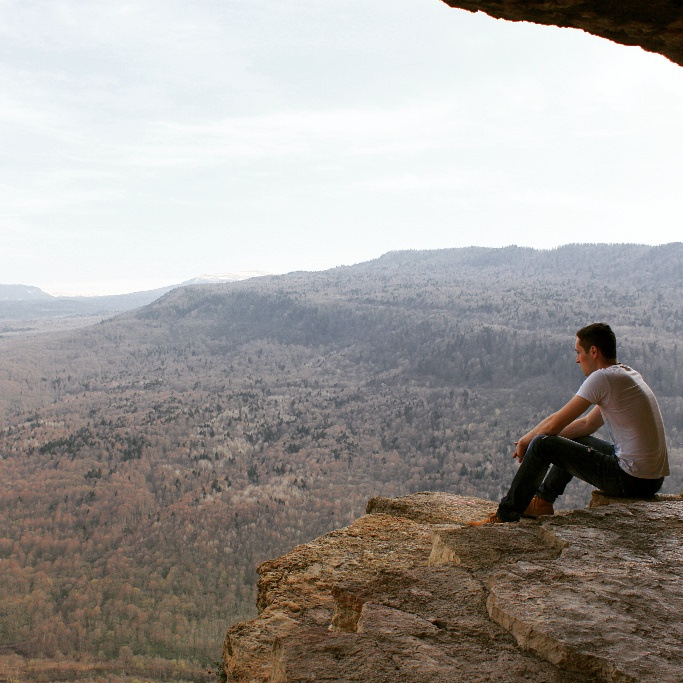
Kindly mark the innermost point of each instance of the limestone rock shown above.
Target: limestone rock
(410, 593)
(610, 605)
(420, 507)
(598, 498)
(654, 25)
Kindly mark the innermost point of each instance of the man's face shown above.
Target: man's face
(586, 359)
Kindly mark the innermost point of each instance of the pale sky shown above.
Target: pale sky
(147, 142)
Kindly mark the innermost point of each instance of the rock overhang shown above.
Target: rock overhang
(654, 25)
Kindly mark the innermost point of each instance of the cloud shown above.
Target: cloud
(409, 182)
(291, 133)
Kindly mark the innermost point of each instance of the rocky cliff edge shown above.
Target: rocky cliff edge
(409, 593)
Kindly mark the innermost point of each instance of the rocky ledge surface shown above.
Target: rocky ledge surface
(409, 593)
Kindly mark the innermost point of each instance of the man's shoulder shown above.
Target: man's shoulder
(594, 386)
(616, 370)
(620, 370)
(621, 377)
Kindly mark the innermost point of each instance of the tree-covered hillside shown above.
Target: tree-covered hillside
(149, 462)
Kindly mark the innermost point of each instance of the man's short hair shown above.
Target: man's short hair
(599, 335)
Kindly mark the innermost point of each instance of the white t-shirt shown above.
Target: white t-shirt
(630, 410)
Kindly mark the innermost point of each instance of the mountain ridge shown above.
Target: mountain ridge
(22, 293)
(29, 310)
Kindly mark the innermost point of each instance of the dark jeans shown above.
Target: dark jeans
(590, 459)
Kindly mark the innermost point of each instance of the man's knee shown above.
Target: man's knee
(534, 443)
(543, 445)
(541, 441)
(537, 445)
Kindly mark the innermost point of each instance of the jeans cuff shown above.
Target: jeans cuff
(507, 515)
(545, 494)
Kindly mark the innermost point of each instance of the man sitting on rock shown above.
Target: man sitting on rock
(634, 466)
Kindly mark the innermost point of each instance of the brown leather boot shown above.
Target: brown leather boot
(538, 507)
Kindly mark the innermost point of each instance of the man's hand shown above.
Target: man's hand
(521, 447)
(555, 423)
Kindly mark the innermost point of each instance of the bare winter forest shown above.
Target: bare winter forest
(149, 462)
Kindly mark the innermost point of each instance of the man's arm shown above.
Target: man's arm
(584, 426)
(555, 423)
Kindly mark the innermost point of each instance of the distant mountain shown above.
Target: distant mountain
(219, 278)
(26, 309)
(29, 310)
(22, 293)
(117, 303)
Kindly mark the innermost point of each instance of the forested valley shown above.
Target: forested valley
(148, 463)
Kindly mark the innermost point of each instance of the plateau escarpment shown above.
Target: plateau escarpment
(409, 593)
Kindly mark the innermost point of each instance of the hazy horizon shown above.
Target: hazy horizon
(242, 275)
(146, 143)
